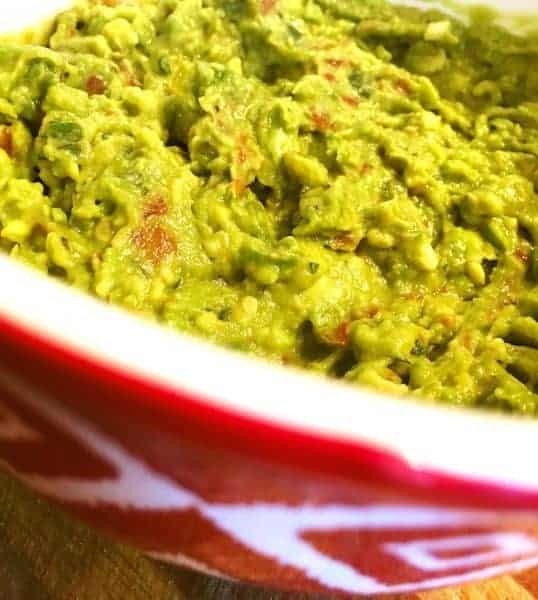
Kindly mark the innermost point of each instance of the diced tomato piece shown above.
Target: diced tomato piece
(344, 241)
(156, 206)
(321, 121)
(403, 86)
(6, 141)
(267, 6)
(155, 242)
(340, 335)
(351, 101)
(95, 85)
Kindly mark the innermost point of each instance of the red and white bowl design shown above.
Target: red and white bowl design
(208, 459)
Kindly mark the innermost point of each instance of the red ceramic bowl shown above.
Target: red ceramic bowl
(236, 467)
(205, 458)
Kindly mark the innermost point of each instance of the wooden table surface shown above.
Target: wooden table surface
(45, 555)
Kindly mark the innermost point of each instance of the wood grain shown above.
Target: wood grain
(45, 555)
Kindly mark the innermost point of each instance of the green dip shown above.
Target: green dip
(340, 185)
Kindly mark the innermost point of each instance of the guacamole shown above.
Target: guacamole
(341, 185)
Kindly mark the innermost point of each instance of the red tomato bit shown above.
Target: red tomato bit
(322, 121)
(267, 6)
(344, 241)
(351, 101)
(156, 206)
(155, 242)
(340, 335)
(6, 141)
(95, 85)
(403, 86)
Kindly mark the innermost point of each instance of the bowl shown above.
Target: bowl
(204, 458)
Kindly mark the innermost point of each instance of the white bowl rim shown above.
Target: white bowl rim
(474, 445)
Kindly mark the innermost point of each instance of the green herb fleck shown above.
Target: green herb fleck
(164, 65)
(68, 132)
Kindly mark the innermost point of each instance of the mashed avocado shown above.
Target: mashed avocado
(341, 185)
